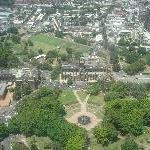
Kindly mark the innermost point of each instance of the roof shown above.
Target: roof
(2, 89)
(7, 77)
(69, 67)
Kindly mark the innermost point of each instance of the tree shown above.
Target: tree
(69, 50)
(30, 43)
(7, 57)
(4, 54)
(147, 119)
(123, 42)
(22, 90)
(129, 144)
(64, 57)
(114, 59)
(131, 56)
(105, 134)
(93, 89)
(42, 114)
(4, 132)
(55, 73)
(142, 51)
(112, 96)
(52, 54)
(69, 82)
(138, 91)
(40, 51)
(76, 143)
(59, 34)
(12, 30)
(135, 68)
(81, 40)
(148, 59)
(33, 144)
(127, 115)
(16, 39)
(120, 88)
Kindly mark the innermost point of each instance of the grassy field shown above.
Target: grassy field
(67, 97)
(147, 70)
(43, 143)
(82, 95)
(19, 146)
(114, 146)
(98, 99)
(144, 139)
(45, 42)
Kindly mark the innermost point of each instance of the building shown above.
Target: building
(89, 69)
(3, 91)
(7, 77)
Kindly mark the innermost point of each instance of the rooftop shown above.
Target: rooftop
(2, 89)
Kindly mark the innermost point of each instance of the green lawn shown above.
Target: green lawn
(144, 139)
(19, 146)
(43, 143)
(82, 95)
(67, 97)
(47, 43)
(95, 146)
(147, 70)
(98, 99)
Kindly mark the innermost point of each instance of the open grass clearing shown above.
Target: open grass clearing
(19, 146)
(43, 143)
(147, 70)
(82, 95)
(45, 42)
(98, 99)
(72, 109)
(67, 97)
(96, 110)
(144, 139)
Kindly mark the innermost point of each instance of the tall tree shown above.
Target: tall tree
(129, 144)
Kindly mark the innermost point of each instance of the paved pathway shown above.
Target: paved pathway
(83, 112)
(83, 104)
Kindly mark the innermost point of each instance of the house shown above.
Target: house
(7, 77)
(3, 91)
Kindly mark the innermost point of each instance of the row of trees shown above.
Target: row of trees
(119, 90)
(135, 67)
(125, 117)
(41, 114)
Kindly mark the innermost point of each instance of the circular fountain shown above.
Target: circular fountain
(84, 120)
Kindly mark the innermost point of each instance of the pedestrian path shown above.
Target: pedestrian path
(83, 104)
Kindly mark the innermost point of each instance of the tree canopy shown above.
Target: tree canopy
(42, 114)
(127, 115)
(106, 134)
(129, 144)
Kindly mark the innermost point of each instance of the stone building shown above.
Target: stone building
(89, 69)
